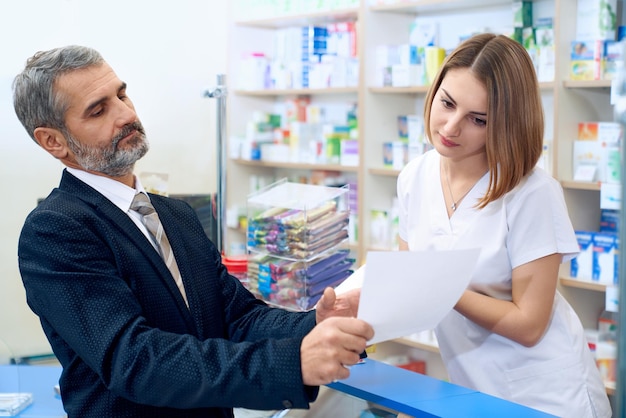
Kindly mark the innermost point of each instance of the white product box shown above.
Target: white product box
(424, 32)
(415, 133)
(349, 152)
(581, 267)
(400, 152)
(403, 75)
(596, 19)
(605, 248)
(590, 161)
(608, 133)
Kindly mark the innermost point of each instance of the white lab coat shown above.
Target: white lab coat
(558, 375)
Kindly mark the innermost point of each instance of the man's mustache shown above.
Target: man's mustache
(127, 130)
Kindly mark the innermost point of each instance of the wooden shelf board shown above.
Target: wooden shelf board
(547, 85)
(384, 172)
(399, 90)
(297, 92)
(417, 344)
(304, 19)
(583, 284)
(587, 84)
(581, 185)
(296, 166)
(426, 6)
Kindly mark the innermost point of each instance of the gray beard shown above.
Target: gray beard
(109, 161)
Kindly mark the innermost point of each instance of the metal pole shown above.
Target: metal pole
(220, 93)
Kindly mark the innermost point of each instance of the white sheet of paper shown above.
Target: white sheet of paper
(404, 292)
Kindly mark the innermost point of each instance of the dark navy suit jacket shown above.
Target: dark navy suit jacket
(128, 344)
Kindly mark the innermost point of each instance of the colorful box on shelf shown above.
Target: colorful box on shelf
(598, 258)
(297, 236)
(596, 154)
(613, 59)
(586, 59)
(522, 14)
(596, 19)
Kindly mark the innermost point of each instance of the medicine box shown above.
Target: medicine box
(297, 242)
(581, 267)
(605, 258)
(586, 60)
(608, 133)
(522, 14)
(349, 149)
(612, 59)
(596, 19)
(609, 221)
(591, 156)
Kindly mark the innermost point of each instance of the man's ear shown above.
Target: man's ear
(53, 141)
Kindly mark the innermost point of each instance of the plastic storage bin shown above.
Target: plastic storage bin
(297, 237)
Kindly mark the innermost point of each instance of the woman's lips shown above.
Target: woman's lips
(446, 142)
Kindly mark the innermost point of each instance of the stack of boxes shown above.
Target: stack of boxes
(596, 155)
(597, 158)
(301, 132)
(537, 37)
(409, 143)
(596, 53)
(414, 63)
(599, 253)
(317, 56)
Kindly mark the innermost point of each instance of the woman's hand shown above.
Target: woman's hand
(331, 304)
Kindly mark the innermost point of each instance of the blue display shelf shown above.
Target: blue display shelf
(424, 397)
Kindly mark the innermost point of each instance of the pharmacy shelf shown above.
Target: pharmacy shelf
(582, 284)
(587, 84)
(303, 19)
(383, 172)
(566, 102)
(399, 90)
(429, 6)
(581, 185)
(424, 89)
(422, 345)
(296, 166)
(297, 92)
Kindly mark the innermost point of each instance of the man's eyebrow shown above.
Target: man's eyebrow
(97, 102)
(453, 101)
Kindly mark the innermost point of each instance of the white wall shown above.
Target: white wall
(169, 53)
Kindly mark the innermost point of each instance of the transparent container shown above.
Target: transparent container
(297, 243)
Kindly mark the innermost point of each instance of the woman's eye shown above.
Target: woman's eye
(480, 122)
(447, 103)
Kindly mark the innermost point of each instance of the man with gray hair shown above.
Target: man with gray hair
(150, 324)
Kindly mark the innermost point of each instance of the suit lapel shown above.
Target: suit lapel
(179, 238)
(106, 210)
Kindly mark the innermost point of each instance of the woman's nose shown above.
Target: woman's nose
(452, 126)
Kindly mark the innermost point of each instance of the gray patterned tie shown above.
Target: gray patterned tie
(150, 219)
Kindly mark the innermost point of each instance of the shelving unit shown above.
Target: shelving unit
(566, 102)
(296, 166)
(256, 35)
